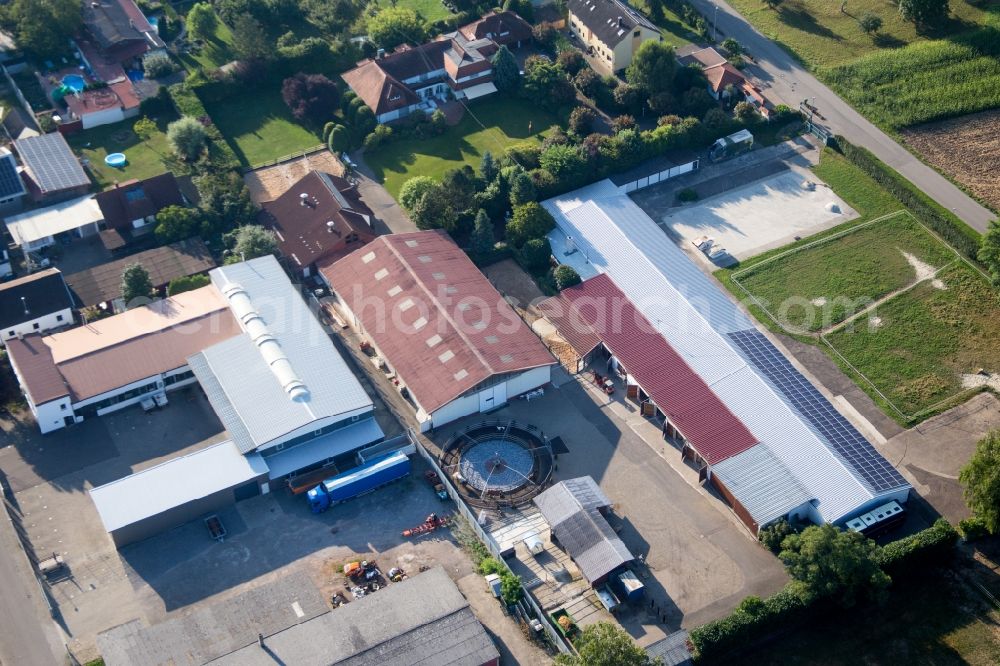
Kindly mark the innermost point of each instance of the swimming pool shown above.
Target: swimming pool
(74, 82)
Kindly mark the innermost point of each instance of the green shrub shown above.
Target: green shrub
(972, 529)
(687, 194)
(929, 547)
(748, 624)
(772, 535)
(944, 223)
(187, 103)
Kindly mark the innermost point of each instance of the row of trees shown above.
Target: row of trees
(925, 14)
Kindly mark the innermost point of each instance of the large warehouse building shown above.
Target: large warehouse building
(443, 331)
(768, 440)
(288, 401)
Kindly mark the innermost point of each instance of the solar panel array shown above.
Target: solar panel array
(10, 180)
(852, 447)
(52, 162)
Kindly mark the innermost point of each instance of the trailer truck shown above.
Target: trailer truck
(358, 481)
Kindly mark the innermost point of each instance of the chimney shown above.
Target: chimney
(619, 21)
(260, 639)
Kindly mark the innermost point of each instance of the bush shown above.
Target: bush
(395, 25)
(581, 120)
(945, 224)
(381, 135)
(187, 137)
(772, 535)
(973, 529)
(929, 547)
(187, 103)
(157, 65)
(310, 97)
(528, 222)
(748, 625)
(565, 276)
(414, 189)
(189, 283)
(535, 255)
(571, 60)
(339, 139)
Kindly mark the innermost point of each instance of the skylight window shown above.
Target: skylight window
(368, 258)
(446, 356)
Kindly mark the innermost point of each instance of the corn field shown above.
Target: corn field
(926, 81)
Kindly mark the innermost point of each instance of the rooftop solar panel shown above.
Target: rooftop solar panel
(51, 162)
(856, 451)
(10, 181)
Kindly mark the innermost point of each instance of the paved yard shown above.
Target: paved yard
(702, 561)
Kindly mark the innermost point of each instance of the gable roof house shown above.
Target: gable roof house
(720, 74)
(34, 304)
(456, 65)
(135, 203)
(611, 30)
(120, 29)
(443, 331)
(51, 171)
(318, 220)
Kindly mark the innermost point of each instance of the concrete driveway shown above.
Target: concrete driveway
(785, 81)
(391, 216)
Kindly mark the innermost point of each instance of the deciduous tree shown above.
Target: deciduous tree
(924, 13)
(413, 189)
(981, 480)
(201, 20)
(605, 644)
(250, 40)
(43, 27)
(249, 242)
(189, 283)
(652, 68)
(187, 137)
(175, 223)
(989, 250)
(566, 276)
(395, 25)
(310, 97)
(834, 564)
(870, 23)
(433, 211)
(528, 221)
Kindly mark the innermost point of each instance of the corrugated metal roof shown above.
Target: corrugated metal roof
(422, 620)
(764, 485)
(45, 222)
(677, 390)
(248, 382)
(565, 498)
(173, 483)
(694, 315)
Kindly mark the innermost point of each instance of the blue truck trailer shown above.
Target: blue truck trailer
(358, 481)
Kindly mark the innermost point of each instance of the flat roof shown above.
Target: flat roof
(702, 324)
(326, 446)
(44, 222)
(439, 322)
(174, 483)
(421, 620)
(104, 282)
(290, 365)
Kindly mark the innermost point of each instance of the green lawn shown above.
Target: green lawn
(822, 285)
(925, 81)
(938, 620)
(674, 31)
(432, 10)
(493, 124)
(144, 159)
(821, 36)
(927, 338)
(216, 52)
(259, 127)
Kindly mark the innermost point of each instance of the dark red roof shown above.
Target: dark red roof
(680, 393)
(138, 199)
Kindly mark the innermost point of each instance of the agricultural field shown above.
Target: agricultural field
(820, 286)
(493, 125)
(926, 81)
(266, 133)
(966, 148)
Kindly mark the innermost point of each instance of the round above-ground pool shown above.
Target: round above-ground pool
(115, 160)
(74, 82)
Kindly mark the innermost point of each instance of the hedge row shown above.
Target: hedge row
(752, 622)
(945, 224)
(929, 547)
(189, 104)
(742, 628)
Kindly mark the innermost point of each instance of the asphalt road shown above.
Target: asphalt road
(27, 635)
(784, 80)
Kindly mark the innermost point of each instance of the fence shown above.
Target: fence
(20, 95)
(286, 158)
(659, 177)
(491, 545)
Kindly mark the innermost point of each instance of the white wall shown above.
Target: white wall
(46, 322)
(51, 415)
(469, 403)
(103, 117)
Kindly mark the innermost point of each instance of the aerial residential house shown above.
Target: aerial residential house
(455, 66)
(442, 331)
(723, 77)
(102, 284)
(135, 203)
(611, 30)
(693, 363)
(318, 220)
(51, 171)
(12, 188)
(42, 227)
(37, 303)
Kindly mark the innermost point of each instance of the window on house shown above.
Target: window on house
(59, 317)
(10, 333)
(63, 406)
(36, 326)
(635, 34)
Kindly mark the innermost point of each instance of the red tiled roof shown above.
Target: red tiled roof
(303, 227)
(502, 28)
(123, 203)
(380, 91)
(435, 317)
(680, 393)
(723, 75)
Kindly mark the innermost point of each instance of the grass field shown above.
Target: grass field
(927, 338)
(821, 36)
(675, 32)
(144, 159)
(432, 10)
(926, 81)
(217, 51)
(938, 620)
(259, 127)
(506, 123)
(817, 287)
